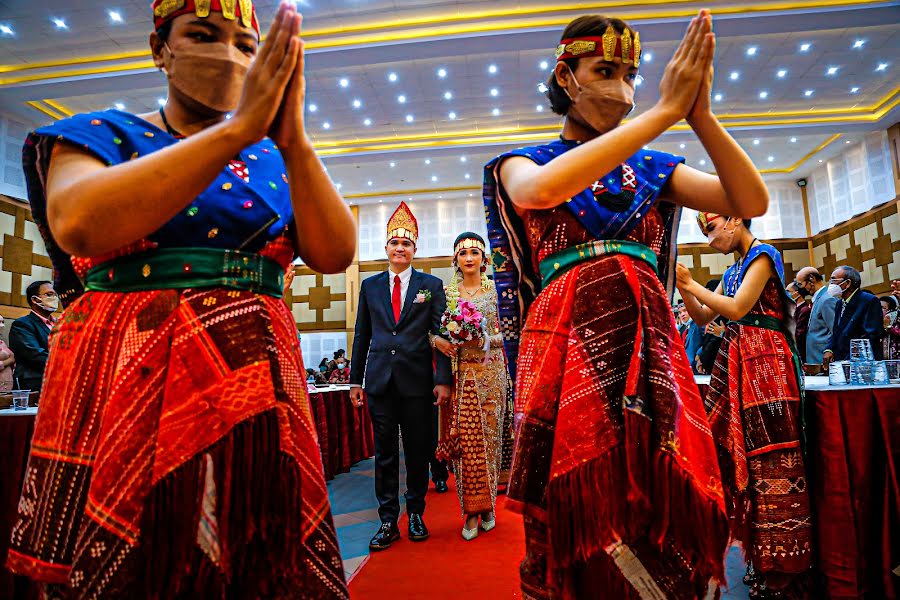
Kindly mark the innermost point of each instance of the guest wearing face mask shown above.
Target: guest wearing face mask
(28, 336)
(889, 305)
(858, 316)
(341, 372)
(171, 435)
(802, 311)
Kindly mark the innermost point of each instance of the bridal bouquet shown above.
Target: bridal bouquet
(462, 322)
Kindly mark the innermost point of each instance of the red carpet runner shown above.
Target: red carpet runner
(445, 565)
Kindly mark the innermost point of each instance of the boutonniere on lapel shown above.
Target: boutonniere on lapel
(422, 296)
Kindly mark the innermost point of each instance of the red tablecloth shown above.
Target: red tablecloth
(15, 441)
(853, 470)
(345, 432)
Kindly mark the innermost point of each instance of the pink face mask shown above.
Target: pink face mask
(602, 104)
(210, 74)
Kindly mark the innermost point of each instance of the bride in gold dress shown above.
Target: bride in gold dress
(475, 426)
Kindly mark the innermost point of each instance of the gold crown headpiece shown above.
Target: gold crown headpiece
(166, 10)
(610, 45)
(403, 224)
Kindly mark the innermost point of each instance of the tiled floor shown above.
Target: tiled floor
(356, 518)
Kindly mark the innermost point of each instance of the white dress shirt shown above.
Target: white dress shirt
(404, 283)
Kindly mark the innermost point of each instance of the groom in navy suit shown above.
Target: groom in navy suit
(394, 360)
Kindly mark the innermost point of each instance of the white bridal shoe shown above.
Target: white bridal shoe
(469, 534)
(488, 525)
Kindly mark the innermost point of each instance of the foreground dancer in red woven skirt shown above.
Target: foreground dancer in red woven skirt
(755, 409)
(615, 469)
(174, 454)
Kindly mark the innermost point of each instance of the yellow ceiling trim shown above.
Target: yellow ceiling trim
(58, 107)
(808, 156)
(148, 64)
(480, 26)
(43, 109)
(414, 192)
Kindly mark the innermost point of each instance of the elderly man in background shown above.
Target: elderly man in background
(858, 316)
(821, 317)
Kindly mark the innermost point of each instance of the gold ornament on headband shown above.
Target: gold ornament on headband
(626, 46)
(609, 43)
(637, 49)
(203, 8)
(704, 218)
(468, 243)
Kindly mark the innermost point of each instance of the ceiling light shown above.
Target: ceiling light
(313, 108)
(805, 47)
(470, 195)
(770, 159)
(702, 162)
(638, 81)
(539, 108)
(392, 77)
(832, 71)
(734, 76)
(495, 92)
(793, 140)
(6, 30)
(854, 89)
(114, 16)
(452, 116)
(427, 161)
(401, 99)
(442, 73)
(410, 118)
(326, 125)
(647, 57)
(120, 106)
(161, 101)
(434, 178)
(542, 87)
(859, 43)
(344, 82)
(882, 67)
(782, 73)
(756, 142)
(448, 95)
(393, 164)
(763, 95)
(369, 183)
(717, 97)
(367, 122)
(462, 159)
(820, 160)
(467, 176)
(492, 69)
(681, 146)
(544, 65)
(847, 142)
(60, 24)
(339, 186)
(751, 51)
(496, 112)
(808, 93)
(357, 103)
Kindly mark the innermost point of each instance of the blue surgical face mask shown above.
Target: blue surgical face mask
(341, 366)
(310, 379)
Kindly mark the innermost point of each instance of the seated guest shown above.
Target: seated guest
(802, 311)
(821, 317)
(858, 316)
(7, 363)
(341, 372)
(712, 339)
(891, 344)
(28, 335)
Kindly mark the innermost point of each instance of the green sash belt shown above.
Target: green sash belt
(180, 268)
(767, 322)
(559, 262)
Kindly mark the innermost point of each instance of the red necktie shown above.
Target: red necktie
(395, 299)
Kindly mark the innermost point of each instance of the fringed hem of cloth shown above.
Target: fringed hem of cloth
(600, 502)
(225, 522)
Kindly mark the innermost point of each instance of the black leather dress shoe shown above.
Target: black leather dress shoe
(387, 534)
(440, 486)
(417, 530)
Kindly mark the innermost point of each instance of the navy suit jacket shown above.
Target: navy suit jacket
(861, 318)
(28, 342)
(383, 349)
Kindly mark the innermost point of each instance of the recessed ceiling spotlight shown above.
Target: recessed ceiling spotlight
(881, 67)
(831, 71)
(770, 158)
(492, 69)
(448, 95)
(463, 159)
(682, 146)
(854, 89)
(702, 162)
(401, 99)
(392, 164)
(434, 178)
(782, 73)
(161, 101)
(367, 122)
(495, 92)
(542, 87)
(326, 125)
(751, 51)
(756, 142)
(859, 43)
(496, 112)
(6, 30)
(442, 73)
(648, 57)
(467, 176)
(344, 82)
(734, 76)
(392, 77)
(115, 16)
(805, 47)
(427, 161)
(369, 183)
(763, 95)
(544, 65)
(793, 140)
(808, 93)
(717, 97)
(60, 24)
(410, 118)
(357, 103)
(120, 106)
(539, 108)
(452, 116)
(313, 108)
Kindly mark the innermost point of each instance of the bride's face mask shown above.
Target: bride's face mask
(602, 104)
